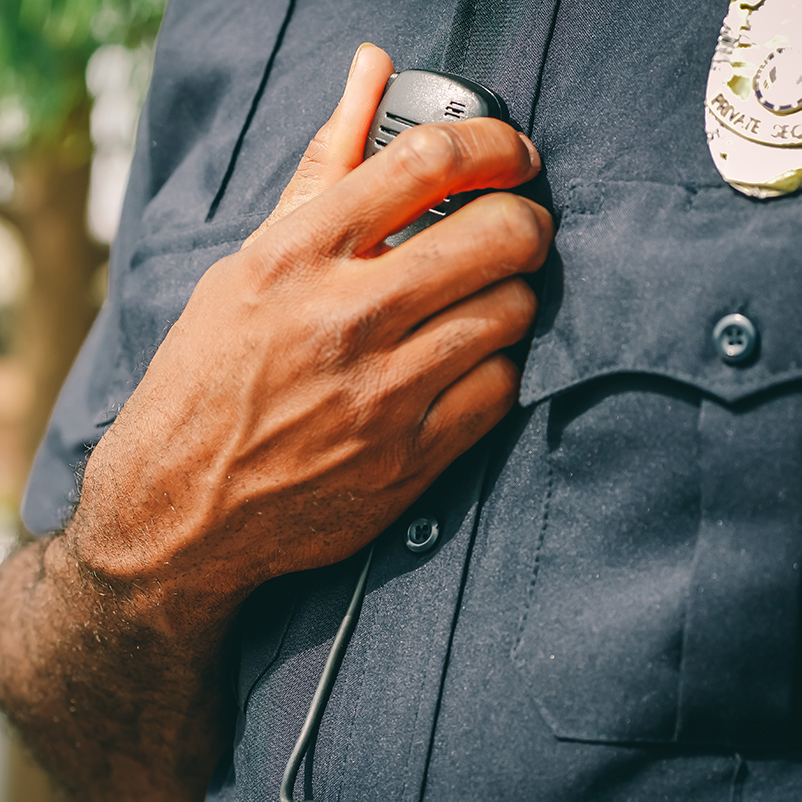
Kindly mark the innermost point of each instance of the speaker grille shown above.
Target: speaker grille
(455, 110)
(387, 132)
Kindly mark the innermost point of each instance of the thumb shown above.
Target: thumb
(338, 146)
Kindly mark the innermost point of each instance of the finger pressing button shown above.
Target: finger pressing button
(422, 534)
(735, 338)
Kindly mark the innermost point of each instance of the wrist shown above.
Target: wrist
(140, 585)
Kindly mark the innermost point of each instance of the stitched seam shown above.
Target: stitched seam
(692, 189)
(469, 34)
(141, 257)
(574, 206)
(189, 248)
(745, 388)
(463, 582)
(410, 751)
(249, 692)
(251, 114)
(678, 720)
(541, 71)
(447, 63)
(739, 776)
(530, 591)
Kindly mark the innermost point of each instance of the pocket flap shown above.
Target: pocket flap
(644, 271)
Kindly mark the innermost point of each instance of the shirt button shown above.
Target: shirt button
(735, 338)
(422, 534)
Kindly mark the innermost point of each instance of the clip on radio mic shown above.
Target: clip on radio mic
(413, 97)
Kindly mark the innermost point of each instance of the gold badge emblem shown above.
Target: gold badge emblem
(753, 103)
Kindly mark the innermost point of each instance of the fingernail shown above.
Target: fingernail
(356, 58)
(534, 157)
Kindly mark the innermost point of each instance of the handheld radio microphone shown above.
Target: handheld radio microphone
(414, 97)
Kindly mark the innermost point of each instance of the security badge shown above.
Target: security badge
(753, 114)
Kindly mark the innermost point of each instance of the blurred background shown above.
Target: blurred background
(73, 75)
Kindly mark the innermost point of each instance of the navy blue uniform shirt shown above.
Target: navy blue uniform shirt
(612, 610)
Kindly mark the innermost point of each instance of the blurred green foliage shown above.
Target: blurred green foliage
(45, 46)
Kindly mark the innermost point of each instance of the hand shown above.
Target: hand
(318, 382)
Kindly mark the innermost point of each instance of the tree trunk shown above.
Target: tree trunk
(49, 209)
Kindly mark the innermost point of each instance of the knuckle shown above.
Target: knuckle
(546, 225)
(399, 462)
(343, 334)
(507, 378)
(518, 221)
(314, 155)
(248, 272)
(452, 340)
(517, 230)
(370, 416)
(267, 265)
(521, 304)
(428, 154)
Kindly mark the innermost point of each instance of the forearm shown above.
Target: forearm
(115, 708)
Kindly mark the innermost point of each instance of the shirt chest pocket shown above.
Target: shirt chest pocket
(664, 601)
